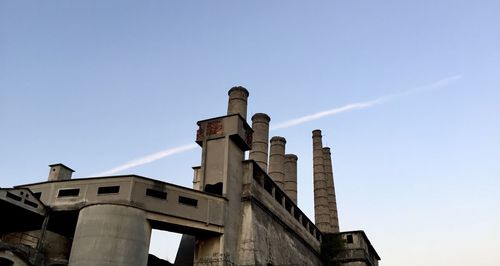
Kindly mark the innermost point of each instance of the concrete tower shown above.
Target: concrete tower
(321, 207)
(330, 186)
(291, 176)
(277, 160)
(224, 141)
(260, 140)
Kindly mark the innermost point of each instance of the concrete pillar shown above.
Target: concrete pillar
(260, 140)
(291, 176)
(277, 161)
(238, 101)
(321, 208)
(111, 235)
(330, 186)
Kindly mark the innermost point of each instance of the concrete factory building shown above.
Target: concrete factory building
(239, 212)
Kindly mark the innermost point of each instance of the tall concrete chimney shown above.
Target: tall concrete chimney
(330, 186)
(321, 208)
(238, 101)
(260, 140)
(277, 161)
(59, 172)
(291, 176)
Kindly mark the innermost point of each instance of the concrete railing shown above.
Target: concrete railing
(264, 181)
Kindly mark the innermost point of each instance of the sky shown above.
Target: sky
(407, 94)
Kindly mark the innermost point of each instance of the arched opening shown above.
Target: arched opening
(6, 262)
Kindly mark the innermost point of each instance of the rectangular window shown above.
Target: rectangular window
(349, 239)
(188, 201)
(278, 197)
(30, 203)
(296, 214)
(13, 196)
(156, 194)
(268, 186)
(108, 190)
(70, 192)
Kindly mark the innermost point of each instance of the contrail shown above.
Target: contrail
(149, 158)
(290, 123)
(362, 105)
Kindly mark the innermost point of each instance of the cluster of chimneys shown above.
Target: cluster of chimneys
(282, 167)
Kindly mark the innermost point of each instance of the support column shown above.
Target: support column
(291, 176)
(260, 140)
(321, 208)
(277, 161)
(111, 235)
(330, 185)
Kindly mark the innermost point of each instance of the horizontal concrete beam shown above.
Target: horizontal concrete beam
(166, 202)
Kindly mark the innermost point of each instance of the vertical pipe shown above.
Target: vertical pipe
(277, 161)
(291, 176)
(321, 208)
(330, 185)
(237, 101)
(260, 140)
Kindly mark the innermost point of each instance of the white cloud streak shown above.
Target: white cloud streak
(149, 158)
(290, 123)
(363, 105)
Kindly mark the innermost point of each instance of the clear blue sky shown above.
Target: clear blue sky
(95, 84)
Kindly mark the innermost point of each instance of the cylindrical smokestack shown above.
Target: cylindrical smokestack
(260, 140)
(277, 160)
(291, 176)
(238, 101)
(330, 186)
(321, 208)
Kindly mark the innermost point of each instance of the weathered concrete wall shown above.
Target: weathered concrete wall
(111, 235)
(265, 240)
(55, 247)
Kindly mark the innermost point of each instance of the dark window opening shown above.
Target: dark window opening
(108, 190)
(278, 196)
(296, 214)
(304, 221)
(72, 192)
(188, 201)
(13, 196)
(30, 203)
(349, 239)
(156, 193)
(214, 188)
(288, 205)
(311, 230)
(37, 195)
(268, 186)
